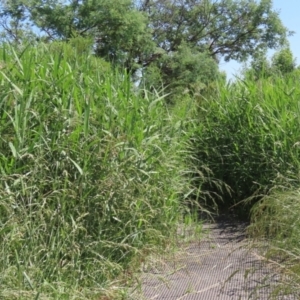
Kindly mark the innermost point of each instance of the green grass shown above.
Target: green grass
(93, 175)
(96, 175)
(275, 219)
(248, 137)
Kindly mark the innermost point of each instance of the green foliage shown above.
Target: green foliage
(168, 40)
(260, 67)
(92, 175)
(232, 29)
(118, 30)
(182, 72)
(249, 138)
(276, 219)
(284, 61)
(192, 31)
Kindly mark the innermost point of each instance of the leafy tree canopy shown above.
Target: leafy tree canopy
(282, 63)
(187, 32)
(170, 40)
(228, 28)
(184, 71)
(119, 31)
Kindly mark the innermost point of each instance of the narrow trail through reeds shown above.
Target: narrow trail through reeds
(222, 264)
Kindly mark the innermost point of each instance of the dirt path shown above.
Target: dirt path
(221, 265)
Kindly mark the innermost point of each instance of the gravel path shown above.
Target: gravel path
(221, 265)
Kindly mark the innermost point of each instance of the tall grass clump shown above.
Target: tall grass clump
(91, 174)
(275, 220)
(249, 138)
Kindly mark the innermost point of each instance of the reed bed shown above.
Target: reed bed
(92, 174)
(96, 174)
(249, 137)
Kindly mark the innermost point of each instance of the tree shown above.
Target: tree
(283, 61)
(225, 28)
(119, 30)
(187, 32)
(170, 40)
(14, 21)
(234, 29)
(260, 66)
(182, 72)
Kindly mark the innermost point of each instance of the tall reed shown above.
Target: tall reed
(249, 137)
(91, 173)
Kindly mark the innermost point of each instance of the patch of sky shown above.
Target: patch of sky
(289, 15)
